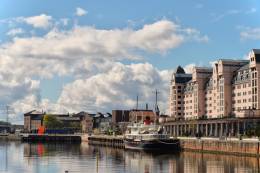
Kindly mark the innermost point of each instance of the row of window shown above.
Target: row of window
(241, 101)
(187, 107)
(188, 113)
(187, 95)
(240, 94)
(241, 108)
(188, 101)
(241, 86)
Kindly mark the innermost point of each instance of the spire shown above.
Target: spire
(180, 70)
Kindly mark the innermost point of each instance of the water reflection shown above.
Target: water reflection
(57, 157)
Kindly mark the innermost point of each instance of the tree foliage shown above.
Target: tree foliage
(51, 122)
(253, 130)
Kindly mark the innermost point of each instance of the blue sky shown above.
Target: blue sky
(223, 32)
(221, 29)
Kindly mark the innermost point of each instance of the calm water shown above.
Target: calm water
(48, 158)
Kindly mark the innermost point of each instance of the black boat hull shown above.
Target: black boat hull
(169, 145)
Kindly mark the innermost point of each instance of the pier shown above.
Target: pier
(51, 138)
(233, 146)
(110, 141)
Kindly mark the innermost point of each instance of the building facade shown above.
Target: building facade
(229, 89)
(119, 116)
(33, 120)
(139, 115)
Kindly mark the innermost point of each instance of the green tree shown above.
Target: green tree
(51, 122)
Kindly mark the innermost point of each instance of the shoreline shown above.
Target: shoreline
(10, 137)
(231, 146)
(206, 145)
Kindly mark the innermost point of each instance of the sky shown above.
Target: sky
(95, 56)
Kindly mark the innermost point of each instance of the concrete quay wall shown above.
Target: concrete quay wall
(110, 141)
(51, 138)
(238, 147)
(247, 147)
(10, 137)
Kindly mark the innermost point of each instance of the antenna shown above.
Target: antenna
(137, 102)
(156, 97)
(157, 111)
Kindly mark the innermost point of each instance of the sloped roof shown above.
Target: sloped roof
(244, 67)
(180, 70)
(34, 112)
(256, 51)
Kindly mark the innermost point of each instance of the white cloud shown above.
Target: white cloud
(80, 11)
(232, 12)
(41, 21)
(64, 21)
(91, 56)
(15, 31)
(194, 34)
(225, 14)
(189, 67)
(89, 42)
(117, 88)
(250, 34)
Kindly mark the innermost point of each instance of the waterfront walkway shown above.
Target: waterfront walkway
(229, 127)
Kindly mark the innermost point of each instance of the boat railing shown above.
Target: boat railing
(147, 136)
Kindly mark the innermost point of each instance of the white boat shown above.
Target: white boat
(149, 137)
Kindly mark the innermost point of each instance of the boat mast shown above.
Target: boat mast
(137, 102)
(157, 111)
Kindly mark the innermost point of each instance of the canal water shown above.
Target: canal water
(18, 157)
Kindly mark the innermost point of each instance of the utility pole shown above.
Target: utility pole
(7, 114)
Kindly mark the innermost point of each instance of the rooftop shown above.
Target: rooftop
(180, 70)
(256, 51)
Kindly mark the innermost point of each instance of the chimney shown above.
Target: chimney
(146, 106)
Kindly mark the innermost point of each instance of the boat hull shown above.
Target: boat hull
(169, 145)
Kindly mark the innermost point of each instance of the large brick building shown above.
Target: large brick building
(229, 89)
(34, 119)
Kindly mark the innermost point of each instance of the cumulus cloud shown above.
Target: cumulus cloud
(92, 57)
(189, 67)
(80, 11)
(41, 21)
(15, 31)
(89, 41)
(250, 34)
(117, 88)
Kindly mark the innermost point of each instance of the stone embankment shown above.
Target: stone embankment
(10, 137)
(249, 147)
(110, 141)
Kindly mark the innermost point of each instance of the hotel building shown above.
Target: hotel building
(229, 89)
